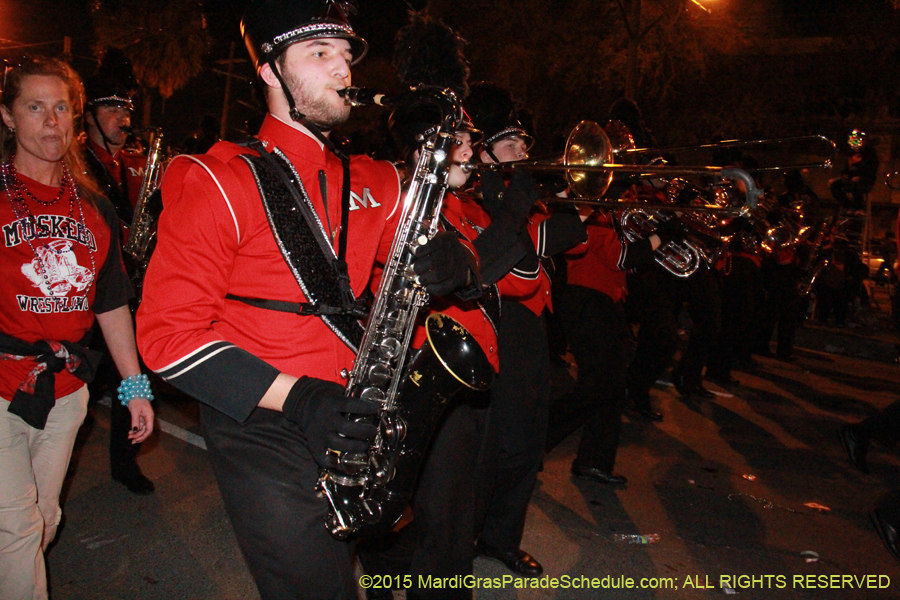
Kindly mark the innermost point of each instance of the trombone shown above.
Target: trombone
(828, 150)
(588, 164)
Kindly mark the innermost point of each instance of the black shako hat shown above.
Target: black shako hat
(270, 26)
(107, 91)
(495, 113)
(412, 124)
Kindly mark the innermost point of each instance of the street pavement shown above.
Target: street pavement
(753, 485)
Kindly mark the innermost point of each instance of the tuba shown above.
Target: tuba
(369, 492)
(142, 234)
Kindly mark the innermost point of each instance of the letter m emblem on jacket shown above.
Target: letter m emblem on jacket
(367, 201)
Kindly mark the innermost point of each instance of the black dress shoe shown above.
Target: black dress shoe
(688, 390)
(135, 481)
(856, 446)
(598, 475)
(886, 530)
(645, 413)
(517, 561)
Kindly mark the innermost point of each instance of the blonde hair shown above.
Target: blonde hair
(12, 88)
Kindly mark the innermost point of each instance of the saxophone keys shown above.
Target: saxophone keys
(400, 429)
(389, 348)
(373, 394)
(371, 511)
(380, 374)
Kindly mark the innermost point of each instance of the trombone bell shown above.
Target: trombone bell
(588, 145)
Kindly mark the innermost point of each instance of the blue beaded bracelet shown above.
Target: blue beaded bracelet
(136, 386)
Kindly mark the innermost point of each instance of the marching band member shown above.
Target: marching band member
(439, 539)
(593, 317)
(238, 313)
(119, 171)
(107, 122)
(520, 395)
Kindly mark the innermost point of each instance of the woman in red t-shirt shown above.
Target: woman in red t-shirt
(61, 268)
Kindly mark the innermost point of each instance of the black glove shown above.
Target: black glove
(515, 199)
(670, 230)
(443, 264)
(319, 407)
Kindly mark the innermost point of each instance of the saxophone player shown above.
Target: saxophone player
(119, 172)
(259, 321)
(107, 121)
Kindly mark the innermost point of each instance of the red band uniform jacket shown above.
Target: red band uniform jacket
(214, 239)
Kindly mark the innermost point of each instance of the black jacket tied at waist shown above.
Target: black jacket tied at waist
(36, 395)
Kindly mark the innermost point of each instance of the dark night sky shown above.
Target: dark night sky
(45, 22)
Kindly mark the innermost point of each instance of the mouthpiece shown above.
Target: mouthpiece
(355, 96)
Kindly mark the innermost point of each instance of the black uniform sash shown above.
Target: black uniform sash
(302, 240)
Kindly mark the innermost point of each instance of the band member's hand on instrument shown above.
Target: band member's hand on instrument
(320, 408)
(513, 201)
(443, 265)
(670, 230)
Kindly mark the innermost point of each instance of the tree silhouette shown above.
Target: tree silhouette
(165, 40)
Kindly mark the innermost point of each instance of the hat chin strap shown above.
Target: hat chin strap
(106, 140)
(299, 117)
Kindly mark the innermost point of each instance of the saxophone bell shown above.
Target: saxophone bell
(371, 503)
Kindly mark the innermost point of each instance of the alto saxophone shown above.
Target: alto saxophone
(370, 491)
(142, 233)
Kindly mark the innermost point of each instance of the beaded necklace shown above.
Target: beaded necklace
(17, 191)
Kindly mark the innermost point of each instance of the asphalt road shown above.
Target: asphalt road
(719, 488)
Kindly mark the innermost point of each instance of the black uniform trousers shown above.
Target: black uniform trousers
(597, 331)
(741, 296)
(439, 541)
(657, 298)
(267, 478)
(781, 308)
(518, 425)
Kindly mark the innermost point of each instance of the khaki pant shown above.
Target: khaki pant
(33, 464)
